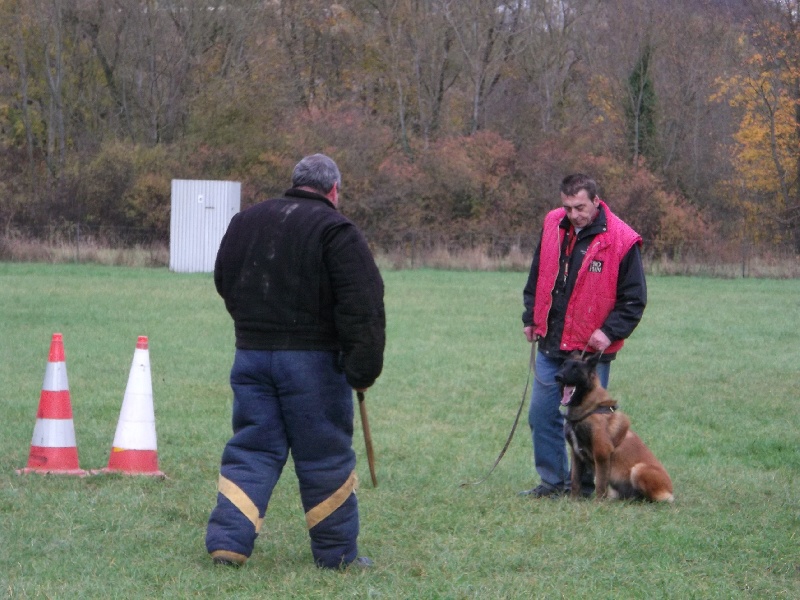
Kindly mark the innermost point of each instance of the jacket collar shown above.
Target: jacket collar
(298, 193)
(599, 225)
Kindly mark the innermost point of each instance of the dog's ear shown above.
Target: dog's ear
(594, 359)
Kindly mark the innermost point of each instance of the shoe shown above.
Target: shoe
(543, 490)
(361, 563)
(227, 558)
(225, 562)
(358, 564)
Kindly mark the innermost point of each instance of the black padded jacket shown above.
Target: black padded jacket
(296, 274)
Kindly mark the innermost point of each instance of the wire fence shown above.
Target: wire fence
(78, 234)
(397, 249)
(82, 243)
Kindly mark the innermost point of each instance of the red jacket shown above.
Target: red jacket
(595, 292)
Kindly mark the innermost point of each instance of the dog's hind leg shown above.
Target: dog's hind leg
(653, 482)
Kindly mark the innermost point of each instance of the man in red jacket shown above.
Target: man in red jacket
(586, 291)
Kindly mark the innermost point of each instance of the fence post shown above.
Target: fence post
(78, 243)
(744, 258)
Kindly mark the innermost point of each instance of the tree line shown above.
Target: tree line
(455, 118)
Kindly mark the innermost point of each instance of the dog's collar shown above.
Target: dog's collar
(600, 410)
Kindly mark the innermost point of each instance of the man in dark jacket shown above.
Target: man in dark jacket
(586, 291)
(306, 299)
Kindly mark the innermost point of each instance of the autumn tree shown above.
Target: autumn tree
(321, 49)
(460, 116)
(487, 34)
(766, 183)
(416, 49)
(150, 57)
(693, 134)
(641, 110)
(550, 60)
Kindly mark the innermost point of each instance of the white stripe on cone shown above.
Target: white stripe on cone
(54, 433)
(55, 377)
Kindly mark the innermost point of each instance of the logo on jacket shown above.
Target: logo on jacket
(596, 266)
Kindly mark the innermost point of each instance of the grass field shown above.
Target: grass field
(710, 381)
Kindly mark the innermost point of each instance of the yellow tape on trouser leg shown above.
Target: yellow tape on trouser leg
(240, 500)
(325, 508)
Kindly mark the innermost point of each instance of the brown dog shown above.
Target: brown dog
(600, 439)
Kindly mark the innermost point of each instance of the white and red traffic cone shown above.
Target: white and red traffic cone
(53, 447)
(134, 451)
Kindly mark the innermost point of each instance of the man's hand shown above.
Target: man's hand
(599, 340)
(529, 335)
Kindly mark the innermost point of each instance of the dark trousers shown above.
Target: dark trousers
(287, 401)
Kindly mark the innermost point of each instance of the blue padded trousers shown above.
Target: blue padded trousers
(298, 402)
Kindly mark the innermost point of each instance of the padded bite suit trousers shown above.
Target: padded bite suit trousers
(298, 402)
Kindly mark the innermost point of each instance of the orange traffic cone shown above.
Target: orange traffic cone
(134, 451)
(53, 448)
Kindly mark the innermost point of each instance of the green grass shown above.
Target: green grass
(710, 380)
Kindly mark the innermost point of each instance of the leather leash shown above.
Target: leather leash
(531, 369)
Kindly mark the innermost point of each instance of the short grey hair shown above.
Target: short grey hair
(318, 172)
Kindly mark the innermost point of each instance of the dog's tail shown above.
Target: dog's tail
(664, 496)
